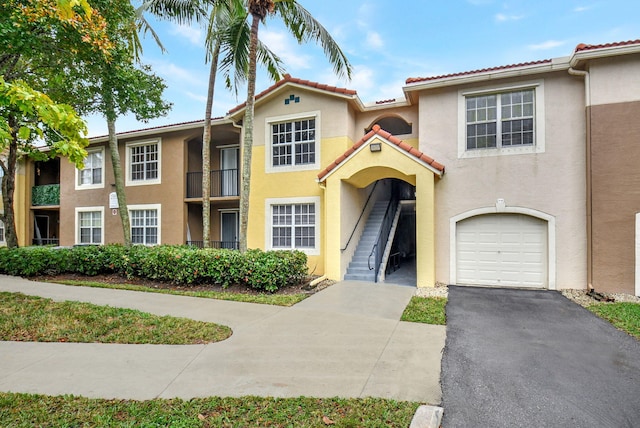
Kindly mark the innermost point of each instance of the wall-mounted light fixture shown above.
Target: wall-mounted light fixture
(375, 147)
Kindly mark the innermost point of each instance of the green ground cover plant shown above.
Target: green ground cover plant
(29, 318)
(624, 316)
(27, 410)
(427, 310)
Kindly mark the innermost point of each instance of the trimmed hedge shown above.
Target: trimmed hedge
(261, 270)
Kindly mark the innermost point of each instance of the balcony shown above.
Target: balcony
(224, 183)
(229, 245)
(46, 195)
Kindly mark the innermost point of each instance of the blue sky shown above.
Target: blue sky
(387, 42)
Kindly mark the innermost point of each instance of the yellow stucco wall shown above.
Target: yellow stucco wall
(360, 170)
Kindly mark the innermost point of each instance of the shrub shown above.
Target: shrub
(262, 270)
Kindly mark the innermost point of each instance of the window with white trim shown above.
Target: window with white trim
(92, 175)
(498, 121)
(293, 224)
(2, 239)
(89, 225)
(293, 142)
(143, 163)
(145, 226)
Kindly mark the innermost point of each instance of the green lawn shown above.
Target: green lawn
(624, 316)
(26, 410)
(427, 310)
(28, 318)
(263, 298)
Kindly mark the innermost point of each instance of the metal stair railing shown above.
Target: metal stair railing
(383, 234)
(359, 218)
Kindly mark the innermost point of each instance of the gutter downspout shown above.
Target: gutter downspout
(587, 99)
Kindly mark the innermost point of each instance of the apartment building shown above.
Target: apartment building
(522, 175)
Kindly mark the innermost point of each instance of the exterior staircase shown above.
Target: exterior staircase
(359, 267)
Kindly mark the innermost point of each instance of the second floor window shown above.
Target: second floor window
(293, 143)
(500, 120)
(92, 173)
(144, 162)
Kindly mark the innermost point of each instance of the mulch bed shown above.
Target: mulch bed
(302, 288)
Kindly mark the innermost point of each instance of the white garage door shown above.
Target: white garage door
(502, 249)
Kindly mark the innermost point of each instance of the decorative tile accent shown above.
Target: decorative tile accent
(292, 98)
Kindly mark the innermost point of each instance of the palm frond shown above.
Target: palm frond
(304, 27)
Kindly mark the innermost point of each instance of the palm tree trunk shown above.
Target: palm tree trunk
(248, 134)
(206, 149)
(117, 173)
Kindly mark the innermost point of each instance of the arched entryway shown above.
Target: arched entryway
(349, 184)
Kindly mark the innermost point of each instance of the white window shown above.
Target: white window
(293, 224)
(145, 224)
(92, 175)
(502, 121)
(143, 163)
(2, 239)
(293, 143)
(89, 225)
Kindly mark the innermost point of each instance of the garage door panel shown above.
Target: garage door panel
(502, 249)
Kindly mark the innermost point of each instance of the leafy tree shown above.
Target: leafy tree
(304, 28)
(114, 86)
(30, 32)
(27, 116)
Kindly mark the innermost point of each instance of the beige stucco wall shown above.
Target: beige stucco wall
(169, 193)
(614, 79)
(552, 182)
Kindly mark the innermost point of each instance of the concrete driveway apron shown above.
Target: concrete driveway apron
(345, 341)
(516, 358)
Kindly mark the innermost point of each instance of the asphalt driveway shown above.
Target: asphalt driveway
(534, 358)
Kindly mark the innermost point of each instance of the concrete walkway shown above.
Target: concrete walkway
(343, 341)
(524, 358)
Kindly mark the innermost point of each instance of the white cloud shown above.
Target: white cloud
(192, 34)
(282, 44)
(549, 44)
(196, 97)
(374, 41)
(173, 73)
(582, 8)
(501, 17)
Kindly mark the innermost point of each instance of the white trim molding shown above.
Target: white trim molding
(127, 151)
(539, 120)
(78, 185)
(637, 254)
(501, 209)
(268, 157)
(158, 208)
(79, 210)
(268, 228)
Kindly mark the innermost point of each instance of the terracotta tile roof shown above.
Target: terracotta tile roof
(585, 47)
(288, 79)
(484, 70)
(376, 130)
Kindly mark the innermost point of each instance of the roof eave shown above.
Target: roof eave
(558, 64)
(605, 52)
(160, 129)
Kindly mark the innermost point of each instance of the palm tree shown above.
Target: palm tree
(304, 27)
(227, 32)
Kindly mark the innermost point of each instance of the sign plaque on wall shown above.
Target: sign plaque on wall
(113, 200)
